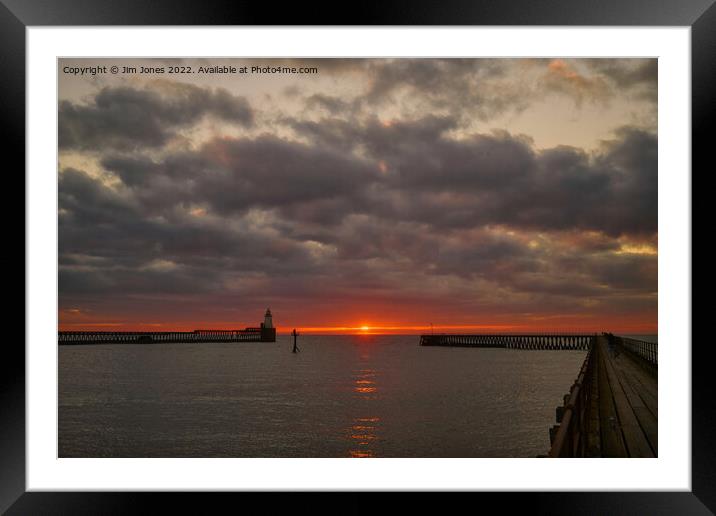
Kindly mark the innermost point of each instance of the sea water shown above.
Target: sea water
(341, 396)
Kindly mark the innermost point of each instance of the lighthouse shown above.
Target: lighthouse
(268, 332)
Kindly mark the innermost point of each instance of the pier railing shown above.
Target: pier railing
(648, 351)
(569, 437)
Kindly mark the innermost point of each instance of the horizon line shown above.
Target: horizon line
(374, 330)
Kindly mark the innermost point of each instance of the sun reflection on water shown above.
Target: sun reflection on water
(364, 382)
(362, 436)
(363, 430)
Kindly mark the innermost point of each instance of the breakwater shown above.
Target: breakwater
(515, 341)
(158, 337)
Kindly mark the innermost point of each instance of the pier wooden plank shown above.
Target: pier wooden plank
(647, 420)
(646, 393)
(611, 436)
(641, 381)
(593, 446)
(641, 390)
(636, 441)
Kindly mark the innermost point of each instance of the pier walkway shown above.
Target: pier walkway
(612, 408)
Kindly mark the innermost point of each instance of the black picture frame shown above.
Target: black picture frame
(17, 15)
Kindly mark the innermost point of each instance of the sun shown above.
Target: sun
(365, 328)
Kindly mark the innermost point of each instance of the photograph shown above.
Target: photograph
(408, 257)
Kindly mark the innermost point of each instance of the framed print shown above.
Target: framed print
(414, 250)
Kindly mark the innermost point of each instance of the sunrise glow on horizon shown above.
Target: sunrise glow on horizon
(374, 196)
(364, 329)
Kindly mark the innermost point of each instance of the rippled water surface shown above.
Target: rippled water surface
(359, 396)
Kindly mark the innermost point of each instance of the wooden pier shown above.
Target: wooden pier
(612, 407)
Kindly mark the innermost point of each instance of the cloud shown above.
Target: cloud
(467, 208)
(498, 178)
(333, 105)
(482, 89)
(359, 199)
(468, 87)
(234, 175)
(412, 172)
(127, 118)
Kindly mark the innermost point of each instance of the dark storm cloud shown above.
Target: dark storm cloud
(133, 252)
(420, 157)
(233, 175)
(126, 118)
(625, 272)
(354, 205)
(561, 266)
(335, 133)
(499, 178)
(411, 171)
(81, 198)
(121, 282)
(111, 242)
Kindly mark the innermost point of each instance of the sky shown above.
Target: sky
(365, 195)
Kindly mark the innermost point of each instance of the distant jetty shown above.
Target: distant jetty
(263, 333)
(515, 341)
